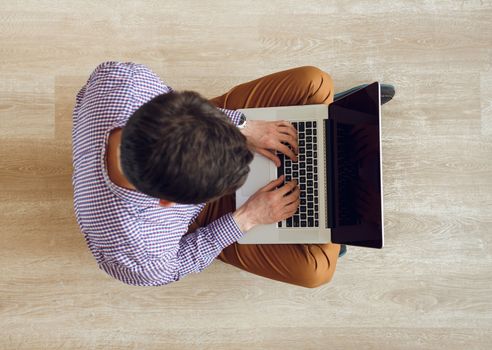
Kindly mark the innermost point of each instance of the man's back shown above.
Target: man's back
(132, 238)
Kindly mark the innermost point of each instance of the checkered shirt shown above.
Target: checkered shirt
(131, 236)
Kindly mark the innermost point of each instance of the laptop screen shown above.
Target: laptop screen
(354, 169)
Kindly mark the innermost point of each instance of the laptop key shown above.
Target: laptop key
(280, 171)
(311, 222)
(289, 222)
(296, 221)
(303, 223)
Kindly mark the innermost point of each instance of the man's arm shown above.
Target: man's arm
(198, 249)
(268, 205)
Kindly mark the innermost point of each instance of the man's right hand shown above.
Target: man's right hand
(268, 205)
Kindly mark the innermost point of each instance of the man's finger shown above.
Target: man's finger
(270, 155)
(289, 130)
(288, 187)
(285, 123)
(292, 208)
(292, 141)
(273, 184)
(293, 196)
(287, 151)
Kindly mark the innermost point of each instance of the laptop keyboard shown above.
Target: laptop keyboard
(305, 171)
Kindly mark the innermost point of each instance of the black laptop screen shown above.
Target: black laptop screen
(354, 169)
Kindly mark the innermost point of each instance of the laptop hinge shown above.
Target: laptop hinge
(330, 173)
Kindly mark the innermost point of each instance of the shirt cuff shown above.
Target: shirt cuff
(234, 116)
(226, 230)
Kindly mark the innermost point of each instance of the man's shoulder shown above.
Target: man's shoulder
(125, 71)
(116, 68)
(114, 84)
(113, 92)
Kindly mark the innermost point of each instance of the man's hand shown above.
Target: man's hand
(266, 138)
(268, 205)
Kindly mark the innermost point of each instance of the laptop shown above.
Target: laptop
(338, 172)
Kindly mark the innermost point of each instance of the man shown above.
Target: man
(155, 173)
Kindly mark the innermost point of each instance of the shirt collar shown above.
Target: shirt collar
(131, 196)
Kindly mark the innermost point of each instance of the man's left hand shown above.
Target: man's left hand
(266, 138)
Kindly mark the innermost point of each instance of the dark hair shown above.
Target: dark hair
(180, 147)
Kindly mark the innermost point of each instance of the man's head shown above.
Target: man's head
(181, 148)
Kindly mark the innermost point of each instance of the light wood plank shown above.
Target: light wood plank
(486, 102)
(429, 288)
(27, 106)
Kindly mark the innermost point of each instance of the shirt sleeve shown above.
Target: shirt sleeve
(234, 116)
(117, 89)
(198, 249)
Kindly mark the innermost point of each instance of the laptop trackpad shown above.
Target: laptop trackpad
(259, 175)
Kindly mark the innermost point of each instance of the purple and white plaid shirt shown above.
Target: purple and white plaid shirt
(131, 236)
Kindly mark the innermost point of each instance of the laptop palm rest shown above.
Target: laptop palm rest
(260, 167)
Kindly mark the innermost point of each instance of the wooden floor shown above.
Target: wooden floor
(429, 288)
